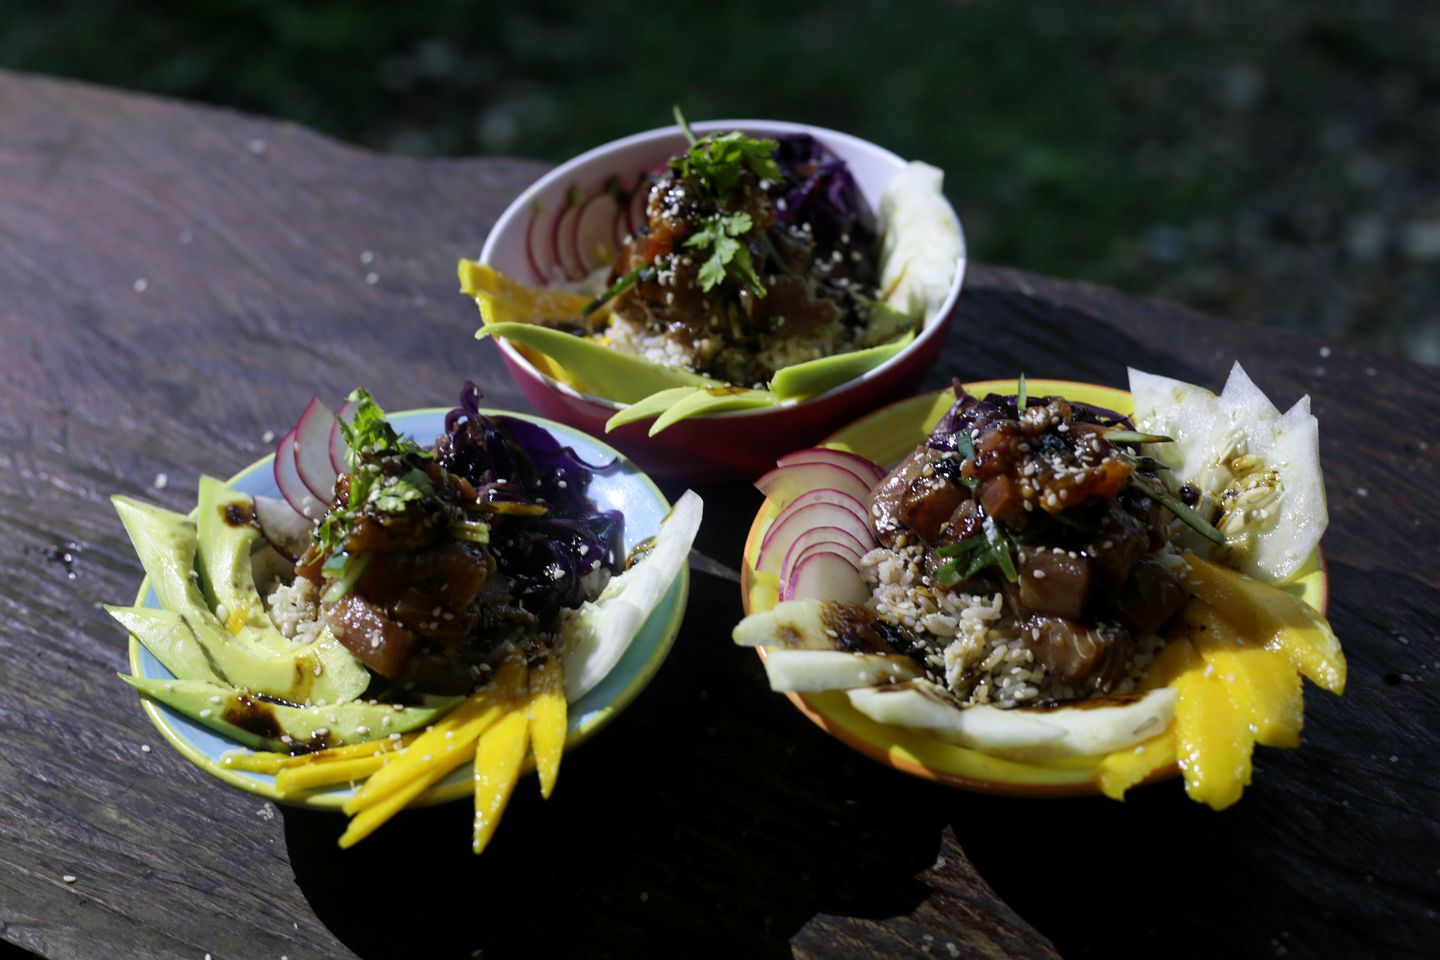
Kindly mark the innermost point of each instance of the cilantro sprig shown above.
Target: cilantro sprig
(715, 162)
(723, 235)
(369, 437)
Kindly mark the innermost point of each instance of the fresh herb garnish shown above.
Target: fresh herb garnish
(369, 432)
(1022, 398)
(727, 254)
(350, 574)
(715, 162)
(368, 437)
(643, 272)
(1133, 436)
(1187, 514)
(988, 549)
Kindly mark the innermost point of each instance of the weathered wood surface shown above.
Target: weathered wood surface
(176, 281)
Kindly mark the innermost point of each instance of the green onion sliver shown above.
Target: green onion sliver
(354, 567)
(1187, 515)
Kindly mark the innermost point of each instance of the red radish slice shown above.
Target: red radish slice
(783, 484)
(312, 450)
(537, 249)
(813, 517)
(856, 508)
(639, 201)
(287, 478)
(286, 530)
(620, 225)
(563, 239)
(825, 576)
(594, 241)
(822, 539)
(338, 448)
(853, 462)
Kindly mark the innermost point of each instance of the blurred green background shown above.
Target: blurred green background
(1269, 161)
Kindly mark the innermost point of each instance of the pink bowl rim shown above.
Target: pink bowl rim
(510, 219)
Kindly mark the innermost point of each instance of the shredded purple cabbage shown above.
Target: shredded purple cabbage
(820, 190)
(969, 411)
(511, 460)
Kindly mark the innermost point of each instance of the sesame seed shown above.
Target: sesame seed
(366, 257)
(144, 748)
(161, 481)
(140, 285)
(69, 878)
(372, 278)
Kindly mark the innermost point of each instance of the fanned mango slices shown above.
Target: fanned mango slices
(499, 756)
(548, 719)
(1119, 771)
(1263, 684)
(1279, 620)
(1212, 738)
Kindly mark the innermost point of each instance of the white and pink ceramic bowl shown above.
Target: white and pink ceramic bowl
(569, 219)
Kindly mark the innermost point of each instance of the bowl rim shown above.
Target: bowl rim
(884, 755)
(444, 791)
(521, 205)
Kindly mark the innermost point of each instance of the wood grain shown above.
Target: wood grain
(178, 281)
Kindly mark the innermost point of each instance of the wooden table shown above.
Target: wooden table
(175, 282)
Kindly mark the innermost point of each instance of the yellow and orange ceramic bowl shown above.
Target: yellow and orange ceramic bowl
(886, 436)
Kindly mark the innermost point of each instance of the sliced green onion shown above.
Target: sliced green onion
(617, 288)
(1022, 397)
(1132, 436)
(684, 124)
(965, 444)
(354, 567)
(1000, 547)
(1187, 515)
(961, 547)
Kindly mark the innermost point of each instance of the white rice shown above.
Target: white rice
(970, 639)
(295, 610)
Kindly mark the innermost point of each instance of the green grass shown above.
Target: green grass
(1219, 156)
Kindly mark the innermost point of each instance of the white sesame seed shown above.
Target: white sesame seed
(186, 236)
(68, 878)
(144, 748)
(257, 146)
(366, 257)
(1361, 492)
(161, 481)
(372, 278)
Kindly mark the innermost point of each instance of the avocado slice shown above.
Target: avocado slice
(167, 544)
(199, 651)
(265, 725)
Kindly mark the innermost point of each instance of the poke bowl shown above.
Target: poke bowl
(1218, 673)
(356, 595)
(572, 222)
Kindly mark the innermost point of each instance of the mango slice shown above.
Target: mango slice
(1281, 621)
(446, 744)
(1263, 684)
(505, 300)
(1119, 771)
(1212, 738)
(547, 721)
(498, 758)
(315, 775)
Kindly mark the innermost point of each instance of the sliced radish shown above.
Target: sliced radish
(639, 202)
(338, 448)
(287, 478)
(853, 462)
(816, 523)
(312, 450)
(595, 245)
(781, 526)
(784, 484)
(285, 529)
(810, 671)
(538, 246)
(825, 576)
(817, 541)
(562, 240)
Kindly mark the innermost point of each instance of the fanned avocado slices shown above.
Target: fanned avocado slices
(169, 547)
(266, 725)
